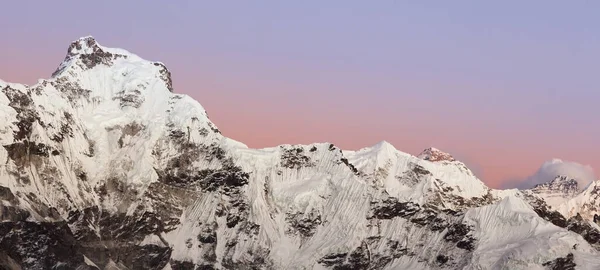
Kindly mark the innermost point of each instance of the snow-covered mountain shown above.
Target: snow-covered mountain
(557, 191)
(104, 166)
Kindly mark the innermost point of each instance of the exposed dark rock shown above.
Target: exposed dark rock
(359, 258)
(127, 254)
(131, 129)
(177, 134)
(165, 75)
(203, 132)
(254, 259)
(413, 176)
(65, 129)
(26, 153)
(94, 58)
(441, 259)
(459, 233)
(131, 98)
(213, 128)
(578, 225)
(227, 180)
(40, 207)
(251, 228)
(41, 245)
(182, 265)
(26, 114)
(7, 195)
(225, 177)
(71, 90)
(304, 224)
(391, 208)
(237, 213)
(350, 165)
(543, 210)
(116, 237)
(189, 151)
(419, 170)
(19, 150)
(13, 213)
(393, 251)
(81, 221)
(214, 151)
(333, 259)
(565, 263)
(205, 267)
(119, 226)
(444, 196)
(180, 172)
(430, 219)
(295, 159)
(91, 145)
(451, 212)
(146, 257)
(133, 227)
(208, 233)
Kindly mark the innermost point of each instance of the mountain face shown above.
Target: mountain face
(557, 191)
(105, 167)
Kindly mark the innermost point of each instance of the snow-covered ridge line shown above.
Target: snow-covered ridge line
(120, 172)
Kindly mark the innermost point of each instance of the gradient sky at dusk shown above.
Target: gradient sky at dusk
(503, 85)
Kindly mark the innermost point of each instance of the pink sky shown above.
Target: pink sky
(503, 95)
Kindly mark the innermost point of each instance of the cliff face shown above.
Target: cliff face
(105, 167)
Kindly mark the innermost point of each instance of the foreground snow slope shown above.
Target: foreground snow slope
(104, 167)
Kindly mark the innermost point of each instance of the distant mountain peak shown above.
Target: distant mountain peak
(433, 154)
(560, 182)
(557, 190)
(384, 145)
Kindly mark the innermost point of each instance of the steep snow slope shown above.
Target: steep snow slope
(401, 175)
(512, 236)
(585, 203)
(106, 168)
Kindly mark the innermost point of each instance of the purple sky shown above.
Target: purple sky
(504, 86)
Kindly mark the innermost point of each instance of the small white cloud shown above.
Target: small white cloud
(583, 174)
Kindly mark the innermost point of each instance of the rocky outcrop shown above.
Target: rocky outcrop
(435, 155)
(564, 263)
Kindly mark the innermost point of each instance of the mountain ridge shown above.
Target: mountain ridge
(131, 175)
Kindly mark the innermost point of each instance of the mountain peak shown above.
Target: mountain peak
(86, 53)
(559, 183)
(433, 154)
(83, 45)
(89, 45)
(384, 145)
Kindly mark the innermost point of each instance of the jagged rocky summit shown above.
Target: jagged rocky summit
(105, 166)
